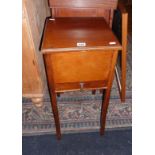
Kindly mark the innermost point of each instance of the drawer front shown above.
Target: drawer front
(63, 87)
(79, 66)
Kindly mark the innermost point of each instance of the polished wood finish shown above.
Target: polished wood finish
(63, 60)
(83, 8)
(70, 67)
(63, 34)
(33, 73)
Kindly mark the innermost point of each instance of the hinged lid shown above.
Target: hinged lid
(64, 34)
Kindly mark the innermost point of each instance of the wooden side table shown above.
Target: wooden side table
(79, 54)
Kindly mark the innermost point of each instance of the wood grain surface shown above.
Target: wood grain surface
(34, 14)
(64, 33)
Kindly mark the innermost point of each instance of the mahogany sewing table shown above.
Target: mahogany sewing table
(79, 54)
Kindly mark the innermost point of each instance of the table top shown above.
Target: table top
(64, 34)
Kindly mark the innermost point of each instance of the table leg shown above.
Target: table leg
(56, 114)
(51, 86)
(123, 57)
(105, 102)
(93, 92)
(123, 76)
(104, 111)
(58, 94)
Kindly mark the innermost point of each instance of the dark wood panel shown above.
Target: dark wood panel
(83, 3)
(81, 12)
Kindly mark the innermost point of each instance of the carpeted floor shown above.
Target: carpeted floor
(112, 143)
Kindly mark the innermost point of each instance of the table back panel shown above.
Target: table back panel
(83, 8)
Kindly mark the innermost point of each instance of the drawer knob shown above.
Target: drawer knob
(81, 86)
